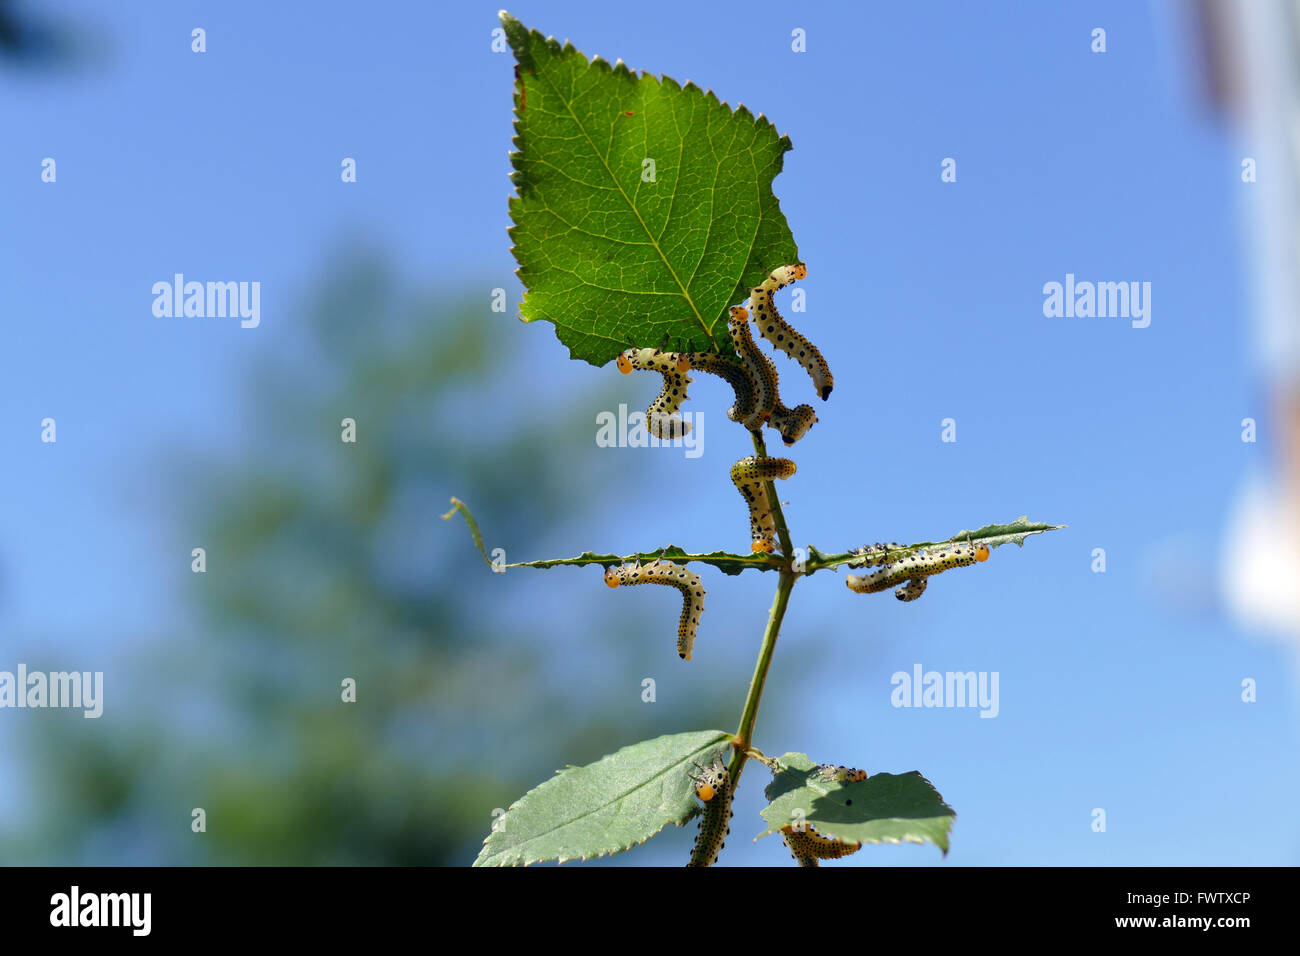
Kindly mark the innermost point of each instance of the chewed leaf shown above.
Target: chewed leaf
(991, 536)
(725, 561)
(884, 808)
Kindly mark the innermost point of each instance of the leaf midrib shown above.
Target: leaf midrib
(686, 293)
(594, 810)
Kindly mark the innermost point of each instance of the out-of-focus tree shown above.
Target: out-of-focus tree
(29, 40)
(327, 560)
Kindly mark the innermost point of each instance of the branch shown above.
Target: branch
(724, 561)
(993, 535)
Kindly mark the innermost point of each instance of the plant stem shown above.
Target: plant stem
(745, 735)
(785, 584)
(760, 448)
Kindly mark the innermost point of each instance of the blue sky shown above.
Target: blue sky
(1118, 690)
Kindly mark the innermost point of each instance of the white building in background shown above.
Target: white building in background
(1252, 58)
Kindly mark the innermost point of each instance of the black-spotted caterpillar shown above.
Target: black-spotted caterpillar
(672, 575)
(791, 423)
(872, 554)
(808, 846)
(713, 787)
(750, 476)
(761, 370)
(829, 771)
(912, 590)
(779, 332)
(661, 416)
(913, 570)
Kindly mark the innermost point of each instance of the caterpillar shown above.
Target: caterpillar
(872, 554)
(750, 476)
(760, 367)
(652, 360)
(673, 575)
(662, 414)
(779, 332)
(734, 374)
(792, 424)
(828, 771)
(912, 590)
(918, 565)
(713, 787)
(809, 846)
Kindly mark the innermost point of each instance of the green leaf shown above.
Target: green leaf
(606, 807)
(725, 561)
(993, 535)
(613, 260)
(884, 808)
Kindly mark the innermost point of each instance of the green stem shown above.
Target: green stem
(745, 735)
(760, 448)
(785, 584)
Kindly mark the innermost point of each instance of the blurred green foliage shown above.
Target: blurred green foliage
(327, 560)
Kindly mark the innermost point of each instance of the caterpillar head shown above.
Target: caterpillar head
(739, 313)
(794, 424)
(981, 552)
(624, 362)
(710, 779)
(800, 272)
(611, 577)
(683, 362)
(764, 545)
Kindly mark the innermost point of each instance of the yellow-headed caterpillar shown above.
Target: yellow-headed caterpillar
(713, 787)
(653, 360)
(809, 846)
(673, 575)
(829, 771)
(750, 476)
(777, 331)
(661, 416)
(761, 369)
(919, 565)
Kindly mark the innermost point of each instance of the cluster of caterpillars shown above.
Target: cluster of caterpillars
(713, 787)
(913, 571)
(752, 376)
(754, 380)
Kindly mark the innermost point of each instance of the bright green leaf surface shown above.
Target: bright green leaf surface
(605, 807)
(884, 808)
(615, 260)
